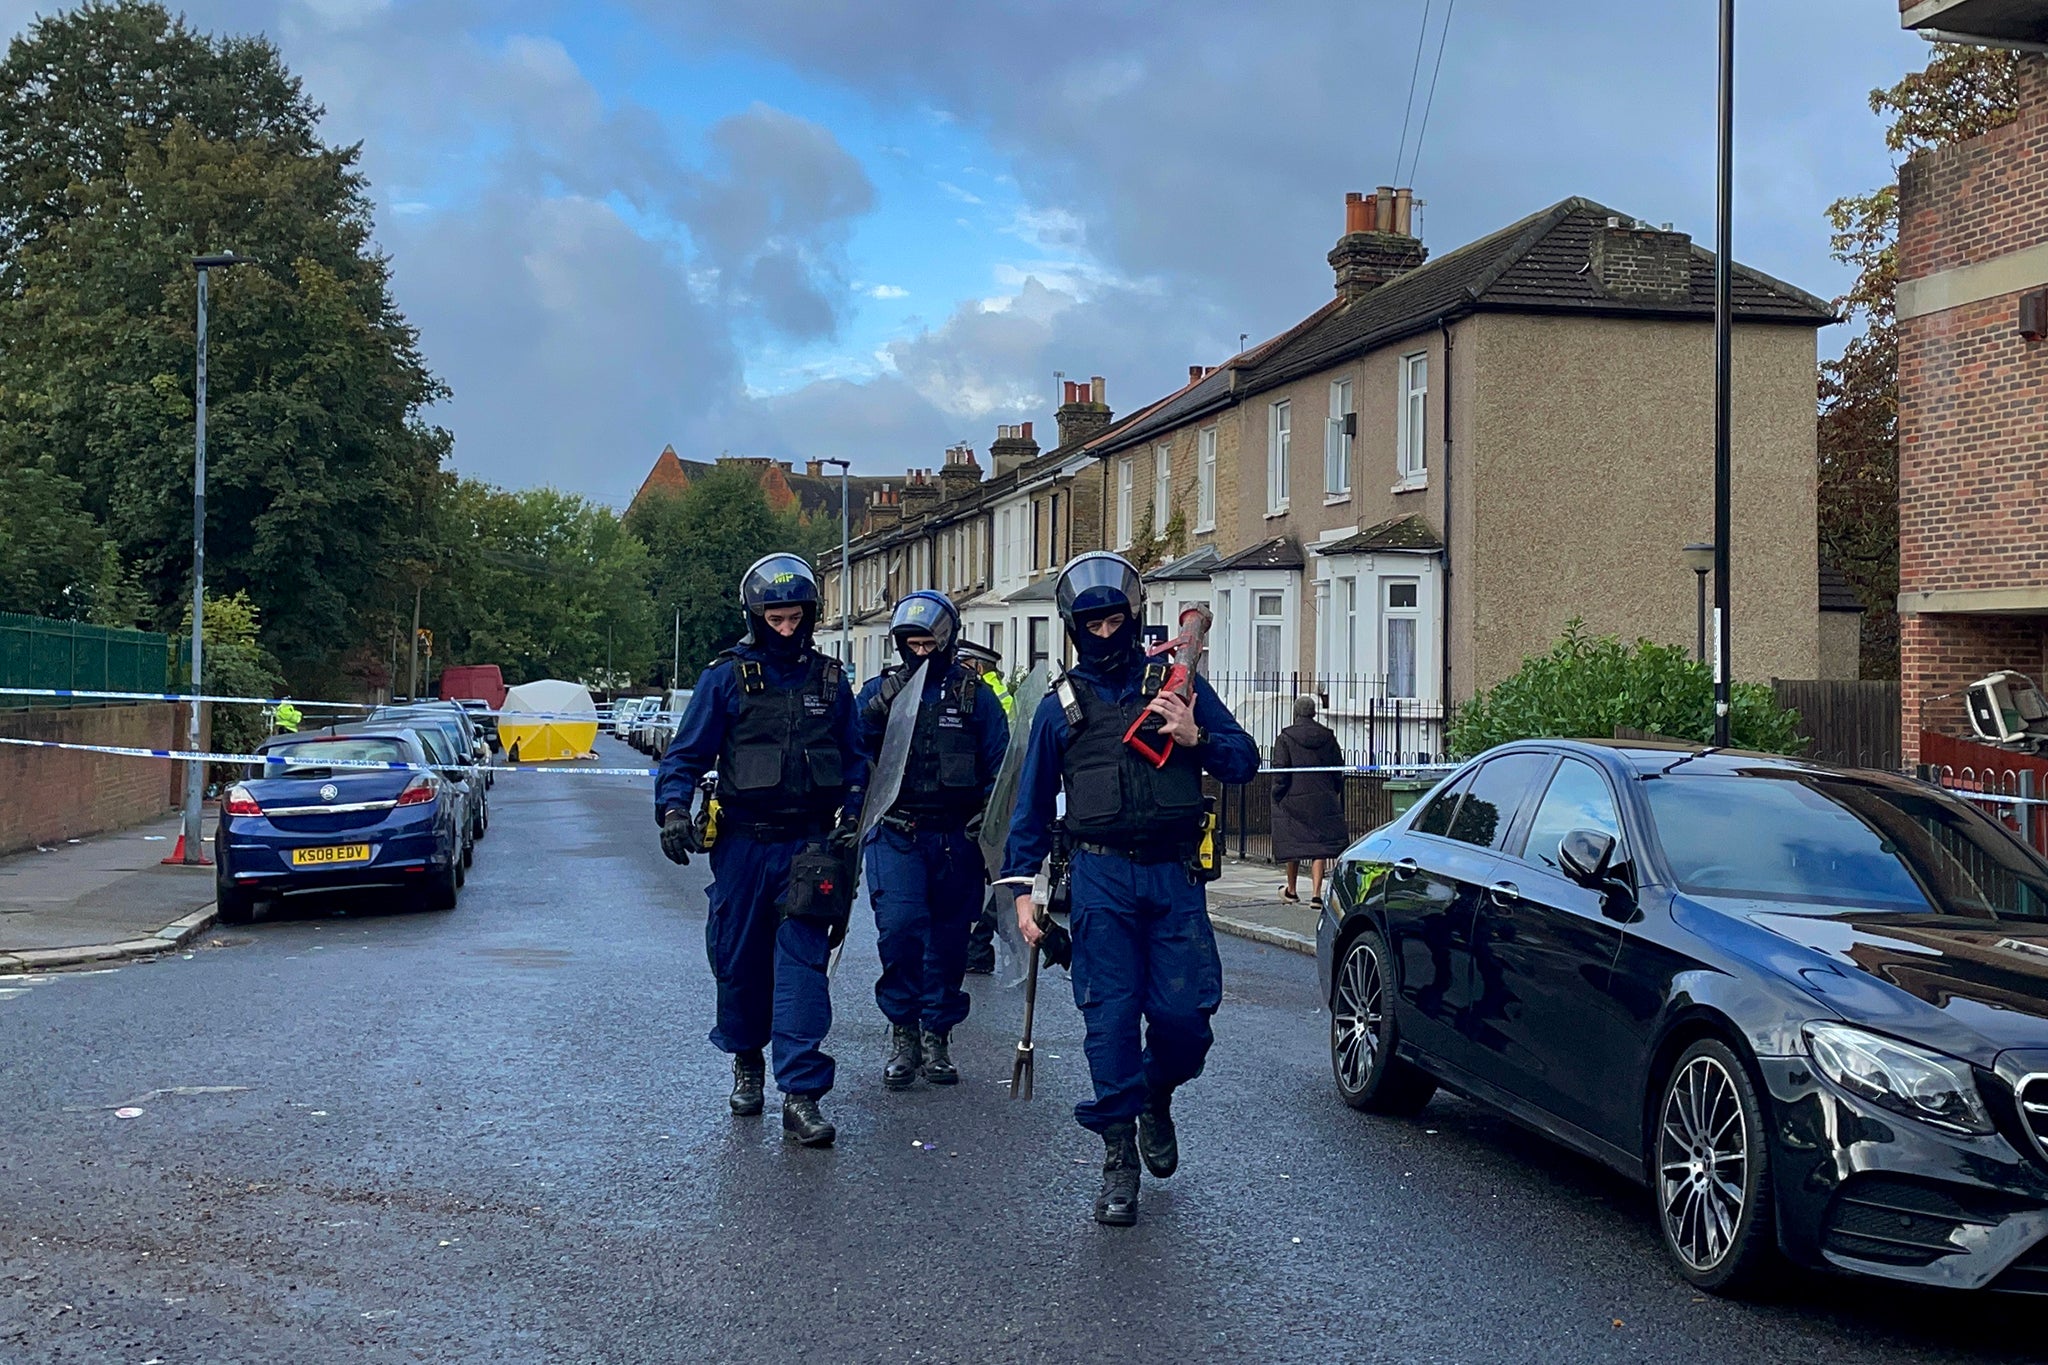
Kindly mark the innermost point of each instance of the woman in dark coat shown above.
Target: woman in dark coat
(1308, 808)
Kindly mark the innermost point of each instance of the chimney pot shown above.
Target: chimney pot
(1027, 431)
(1095, 389)
(1194, 373)
(1357, 217)
(1383, 208)
(1404, 212)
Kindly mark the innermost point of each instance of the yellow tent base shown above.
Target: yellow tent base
(546, 741)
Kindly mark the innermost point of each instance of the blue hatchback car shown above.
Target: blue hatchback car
(305, 822)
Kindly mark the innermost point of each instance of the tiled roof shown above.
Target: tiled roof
(1402, 533)
(1040, 591)
(1190, 567)
(1537, 265)
(1836, 594)
(1281, 552)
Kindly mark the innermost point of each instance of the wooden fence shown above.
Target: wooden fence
(1855, 724)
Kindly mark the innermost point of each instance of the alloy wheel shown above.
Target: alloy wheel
(1357, 1014)
(1703, 1161)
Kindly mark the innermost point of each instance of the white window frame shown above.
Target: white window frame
(1411, 437)
(1337, 444)
(1205, 480)
(1220, 648)
(1390, 614)
(1125, 477)
(1162, 487)
(1326, 638)
(1279, 455)
(1277, 624)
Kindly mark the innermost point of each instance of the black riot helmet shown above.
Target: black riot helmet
(779, 580)
(926, 613)
(1095, 585)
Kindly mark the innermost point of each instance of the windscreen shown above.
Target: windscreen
(366, 749)
(1815, 840)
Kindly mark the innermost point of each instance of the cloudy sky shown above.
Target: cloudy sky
(870, 228)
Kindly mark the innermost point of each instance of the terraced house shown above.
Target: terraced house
(1428, 477)
(1396, 500)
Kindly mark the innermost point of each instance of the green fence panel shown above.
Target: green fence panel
(36, 652)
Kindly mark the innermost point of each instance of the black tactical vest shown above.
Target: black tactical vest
(781, 759)
(941, 778)
(1115, 797)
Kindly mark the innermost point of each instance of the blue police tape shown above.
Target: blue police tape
(272, 761)
(80, 694)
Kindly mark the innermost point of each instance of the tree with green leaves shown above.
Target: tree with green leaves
(542, 583)
(701, 541)
(129, 144)
(1587, 686)
(1962, 92)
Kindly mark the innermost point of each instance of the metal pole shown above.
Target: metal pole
(1723, 345)
(845, 583)
(195, 773)
(412, 686)
(675, 663)
(1700, 619)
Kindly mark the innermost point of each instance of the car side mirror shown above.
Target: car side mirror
(1585, 855)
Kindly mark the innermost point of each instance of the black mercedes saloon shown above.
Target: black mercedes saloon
(1807, 1006)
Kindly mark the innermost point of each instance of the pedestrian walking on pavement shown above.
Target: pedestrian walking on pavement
(1146, 973)
(926, 877)
(775, 719)
(1308, 808)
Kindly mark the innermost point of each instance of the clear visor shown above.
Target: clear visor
(922, 615)
(778, 581)
(1099, 583)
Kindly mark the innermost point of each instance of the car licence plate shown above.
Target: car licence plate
(331, 856)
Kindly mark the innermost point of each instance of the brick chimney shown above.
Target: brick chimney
(1377, 245)
(883, 512)
(920, 493)
(814, 468)
(1636, 263)
(1013, 446)
(1083, 411)
(961, 475)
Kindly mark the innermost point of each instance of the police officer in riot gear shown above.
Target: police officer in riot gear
(775, 718)
(1143, 949)
(981, 942)
(926, 878)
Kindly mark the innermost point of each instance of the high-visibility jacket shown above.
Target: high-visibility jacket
(995, 685)
(288, 717)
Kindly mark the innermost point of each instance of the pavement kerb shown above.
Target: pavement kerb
(176, 934)
(1263, 933)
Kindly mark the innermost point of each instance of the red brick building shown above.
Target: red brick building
(1973, 390)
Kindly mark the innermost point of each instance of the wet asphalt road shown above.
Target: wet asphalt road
(498, 1135)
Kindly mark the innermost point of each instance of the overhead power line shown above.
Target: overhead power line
(1408, 108)
(1422, 132)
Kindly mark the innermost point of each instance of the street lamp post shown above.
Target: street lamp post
(845, 583)
(195, 772)
(1724, 318)
(1700, 559)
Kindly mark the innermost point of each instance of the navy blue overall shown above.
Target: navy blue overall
(1143, 948)
(926, 879)
(770, 970)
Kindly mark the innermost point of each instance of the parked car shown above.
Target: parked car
(299, 824)
(626, 710)
(485, 718)
(465, 748)
(1808, 1006)
(661, 731)
(636, 728)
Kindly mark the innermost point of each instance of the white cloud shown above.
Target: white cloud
(887, 291)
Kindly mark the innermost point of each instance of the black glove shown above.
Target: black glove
(1057, 945)
(676, 837)
(885, 695)
(844, 840)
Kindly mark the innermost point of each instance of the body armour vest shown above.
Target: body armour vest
(1115, 797)
(781, 758)
(941, 777)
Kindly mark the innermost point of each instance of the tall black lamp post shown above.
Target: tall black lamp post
(1724, 317)
(1700, 559)
(195, 771)
(845, 583)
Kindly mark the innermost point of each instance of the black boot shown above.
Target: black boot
(981, 959)
(1117, 1205)
(748, 1073)
(904, 1057)
(1157, 1142)
(802, 1121)
(938, 1065)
